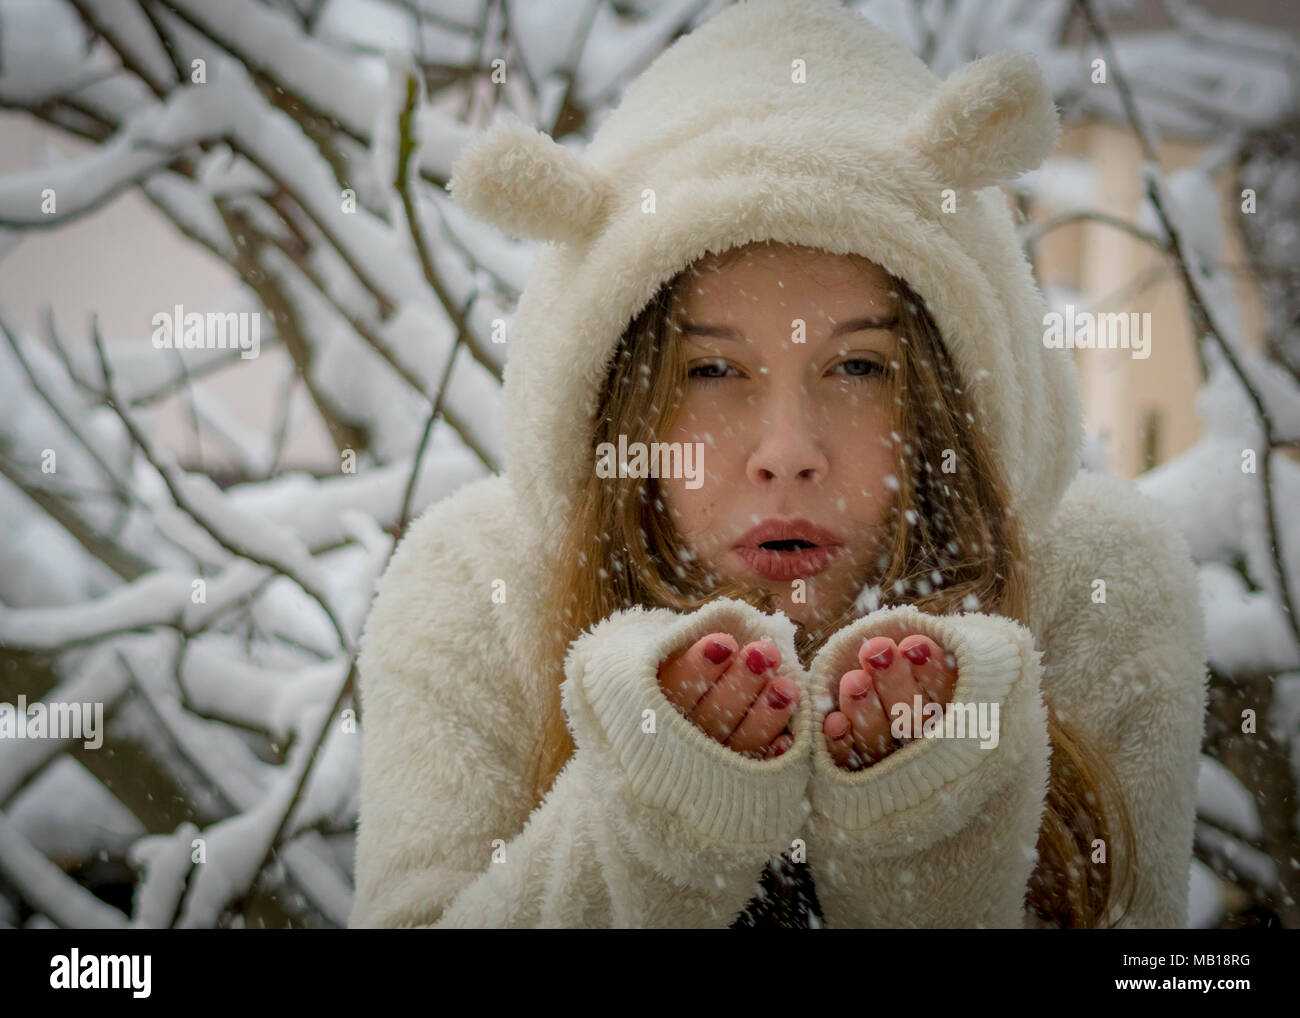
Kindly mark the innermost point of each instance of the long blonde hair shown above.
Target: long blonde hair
(621, 549)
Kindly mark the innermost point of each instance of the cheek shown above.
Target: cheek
(689, 510)
(697, 416)
(692, 510)
(719, 431)
(863, 451)
(857, 429)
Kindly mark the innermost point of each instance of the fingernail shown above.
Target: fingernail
(757, 662)
(918, 654)
(861, 692)
(882, 660)
(778, 699)
(717, 652)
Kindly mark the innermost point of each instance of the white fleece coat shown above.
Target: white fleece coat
(669, 828)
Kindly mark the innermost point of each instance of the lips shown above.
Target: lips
(788, 549)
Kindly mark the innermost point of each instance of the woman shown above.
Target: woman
(781, 281)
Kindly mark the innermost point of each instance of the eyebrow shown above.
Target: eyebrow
(843, 328)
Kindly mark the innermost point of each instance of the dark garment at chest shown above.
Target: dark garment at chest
(786, 899)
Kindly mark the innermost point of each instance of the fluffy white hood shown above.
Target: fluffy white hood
(855, 159)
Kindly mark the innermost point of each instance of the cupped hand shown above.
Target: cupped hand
(858, 734)
(734, 694)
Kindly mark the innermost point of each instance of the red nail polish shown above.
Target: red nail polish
(757, 661)
(860, 694)
(918, 654)
(777, 699)
(882, 660)
(717, 652)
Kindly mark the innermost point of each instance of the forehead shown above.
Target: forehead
(763, 275)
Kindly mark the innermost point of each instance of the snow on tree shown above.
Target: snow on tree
(307, 144)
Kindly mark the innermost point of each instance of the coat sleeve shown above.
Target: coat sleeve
(1127, 667)
(942, 832)
(650, 823)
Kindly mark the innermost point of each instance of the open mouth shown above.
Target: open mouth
(796, 544)
(786, 550)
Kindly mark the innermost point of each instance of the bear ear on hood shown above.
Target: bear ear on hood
(988, 122)
(524, 182)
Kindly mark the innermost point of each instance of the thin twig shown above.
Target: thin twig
(121, 490)
(403, 185)
(124, 563)
(1035, 232)
(282, 422)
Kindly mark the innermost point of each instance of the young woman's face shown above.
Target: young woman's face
(794, 422)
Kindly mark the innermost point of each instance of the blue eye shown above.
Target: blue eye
(867, 368)
(706, 380)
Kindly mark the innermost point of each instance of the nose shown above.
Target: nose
(789, 448)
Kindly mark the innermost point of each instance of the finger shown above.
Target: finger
(767, 717)
(778, 746)
(933, 668)
(839, 737)
(900, 696)
(721, 710)
(687, 676)
(861, 705)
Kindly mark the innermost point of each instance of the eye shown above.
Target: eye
(708, 373)
(861, 369)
